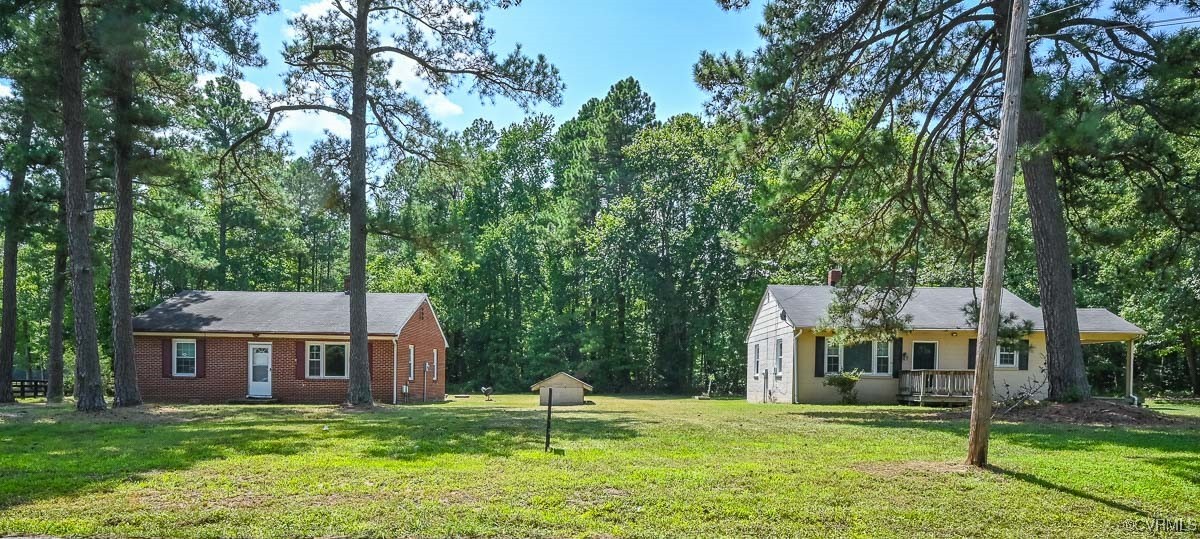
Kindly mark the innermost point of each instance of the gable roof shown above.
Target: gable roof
(561, 379)
(320, 313)
(938, 308)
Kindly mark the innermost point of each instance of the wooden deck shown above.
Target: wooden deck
(937, 386)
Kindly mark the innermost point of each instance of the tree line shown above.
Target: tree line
(629, 249)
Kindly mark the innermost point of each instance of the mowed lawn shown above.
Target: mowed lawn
(622, 467)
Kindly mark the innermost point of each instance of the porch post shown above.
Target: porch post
(1129, 368)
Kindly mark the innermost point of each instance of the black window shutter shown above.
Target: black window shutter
(301, 360)
(201, 358)
(819, 369)
(168, 370)
(972, 349)
(897, 356)
(1023, 361)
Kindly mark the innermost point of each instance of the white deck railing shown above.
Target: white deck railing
(937, 383)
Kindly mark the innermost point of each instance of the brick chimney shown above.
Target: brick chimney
(834, 276)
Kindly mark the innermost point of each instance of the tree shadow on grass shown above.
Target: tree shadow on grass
(1181, 441)
(407, 434)
(1186, 468)
(1183, 438)
(57, 452)
(1035, 480)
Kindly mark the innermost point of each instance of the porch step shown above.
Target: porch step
(254, 400)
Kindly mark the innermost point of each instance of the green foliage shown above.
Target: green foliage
(628, 249)
(604, 248)
(844, 383)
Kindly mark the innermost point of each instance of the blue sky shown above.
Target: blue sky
(594, 43)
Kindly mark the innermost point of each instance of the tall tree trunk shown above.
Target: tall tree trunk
(125, 387)
(58, 288)
(1189, 353)
(1064, 353)
(359, 392)
(13, 231)
(222, 241)
(89, 392)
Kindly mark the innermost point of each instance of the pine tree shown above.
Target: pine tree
(125, 33)
(339, 65)
(936, 66)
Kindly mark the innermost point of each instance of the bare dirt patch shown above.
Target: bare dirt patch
(887, 469)
(596, 497)
(1089, 412)
(146, 413)
(459, 497)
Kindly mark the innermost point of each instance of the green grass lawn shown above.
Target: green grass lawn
(623, 467)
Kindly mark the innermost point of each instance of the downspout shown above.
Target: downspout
(395, 345)
(796, 365)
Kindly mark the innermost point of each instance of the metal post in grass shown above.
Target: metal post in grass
(549, 405)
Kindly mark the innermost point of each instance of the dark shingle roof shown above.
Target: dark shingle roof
(937, 308)
(1101, 320)
(323, 313)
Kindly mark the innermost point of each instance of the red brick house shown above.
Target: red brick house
(214, 347)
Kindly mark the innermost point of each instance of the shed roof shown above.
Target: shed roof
(938, 308)
(321, 313)
(1101, 320)
(561, 379)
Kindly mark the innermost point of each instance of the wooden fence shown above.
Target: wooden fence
(29, 388)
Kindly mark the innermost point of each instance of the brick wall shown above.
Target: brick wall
(226, 373)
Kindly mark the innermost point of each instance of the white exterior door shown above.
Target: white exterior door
(260, 370)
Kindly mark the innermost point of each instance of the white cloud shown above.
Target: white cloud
(5, 90)
(316, 9)
(313, 123)
(441, 106)
(404, 71)
(457, 12)
(249, 90)
(313, 10)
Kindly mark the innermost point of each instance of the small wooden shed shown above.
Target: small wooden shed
(568, 390)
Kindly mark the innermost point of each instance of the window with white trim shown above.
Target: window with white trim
(778, 355)
(833, 357)
(327, 360)
(183, 357)
(869, 358)
(883, 357)
(435, 360)
(412, 361)
(1006, 356)
(755, 359)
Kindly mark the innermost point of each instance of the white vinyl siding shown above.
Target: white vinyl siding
(770, 355)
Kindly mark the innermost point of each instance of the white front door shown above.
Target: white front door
(260, 370)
